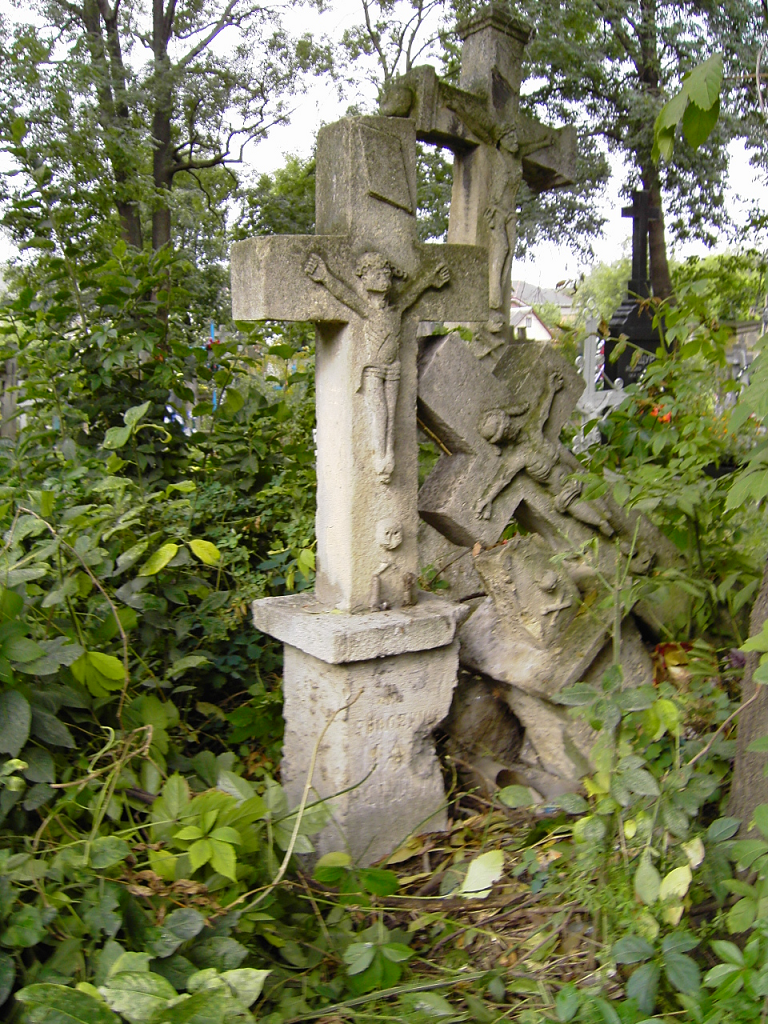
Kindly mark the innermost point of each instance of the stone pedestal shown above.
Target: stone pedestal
(383, 680)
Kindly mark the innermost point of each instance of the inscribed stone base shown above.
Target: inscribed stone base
(377, 754)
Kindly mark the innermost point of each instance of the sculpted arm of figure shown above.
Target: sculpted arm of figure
(316, 269)
(472, 111)
(437, 277)
(507, 472)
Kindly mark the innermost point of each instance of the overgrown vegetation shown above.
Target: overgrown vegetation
(159, 481)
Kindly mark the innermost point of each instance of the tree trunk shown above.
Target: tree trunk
(162, 153)
(750, 786)
(661, 282)
(113, 112)
(649, 75)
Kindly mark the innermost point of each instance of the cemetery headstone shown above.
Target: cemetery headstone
(633, 318)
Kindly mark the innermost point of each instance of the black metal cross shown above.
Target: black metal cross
(642, 213)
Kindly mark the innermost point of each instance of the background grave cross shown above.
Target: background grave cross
(495, 146)
(642, 213)
(365, 281)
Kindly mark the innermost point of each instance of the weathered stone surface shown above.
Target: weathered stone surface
(453, 564)
(533, 630)
(380, 749)
(336, 637)
(562, 743)
(366, 282)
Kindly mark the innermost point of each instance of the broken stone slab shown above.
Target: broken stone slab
(453, 565)
(376, 762)
(338, 637)
(534, 630)
(544, 743)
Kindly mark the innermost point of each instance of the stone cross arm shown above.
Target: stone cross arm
(447, 116)
(269, 280)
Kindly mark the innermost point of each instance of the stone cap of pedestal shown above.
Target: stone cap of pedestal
(494, 16)
(338, 637)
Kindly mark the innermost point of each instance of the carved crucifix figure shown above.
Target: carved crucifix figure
(383, 316)
(365, 281)
(525, 448)
(495, 147)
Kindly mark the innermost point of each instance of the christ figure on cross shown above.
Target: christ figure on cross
(526, 449)
(382, 316)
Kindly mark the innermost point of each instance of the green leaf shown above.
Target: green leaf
(116, 437)
(728, 951)
(431, 1004)
(672, 111)
(640, 781)
(176, 795)
(516, 796)
(246, 982)
(379, 881)
(15, 721)
(223, 859)
(647, 881)
(722, 828)
(675, 885)
(188, 833)
(107, 665)
(7, 976)
(358, 956)
(698, 123)
(576, 696)
(186, 922)
(233, 403)
(57, 1004)
(702, 85)
(483, 871)
(207, 552)
(397, 952)
(760, 818)
(106, 851)
(717, 975)
(567, 1002)
(132, 416)
(25, 928)
(643, 987)
(199, 853)
(682, 973)
(138, 995)
(159, 559)
(758, 642)
(22, 650)
(631, 949)
(572, 803)
(741, 916)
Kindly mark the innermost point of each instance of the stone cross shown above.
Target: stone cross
(495, 146)
(642, 213)
(365, 281)
(593, 402)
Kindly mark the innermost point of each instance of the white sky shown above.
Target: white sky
(548, 263)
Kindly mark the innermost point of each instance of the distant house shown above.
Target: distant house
(527, 294)
(522, 317)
